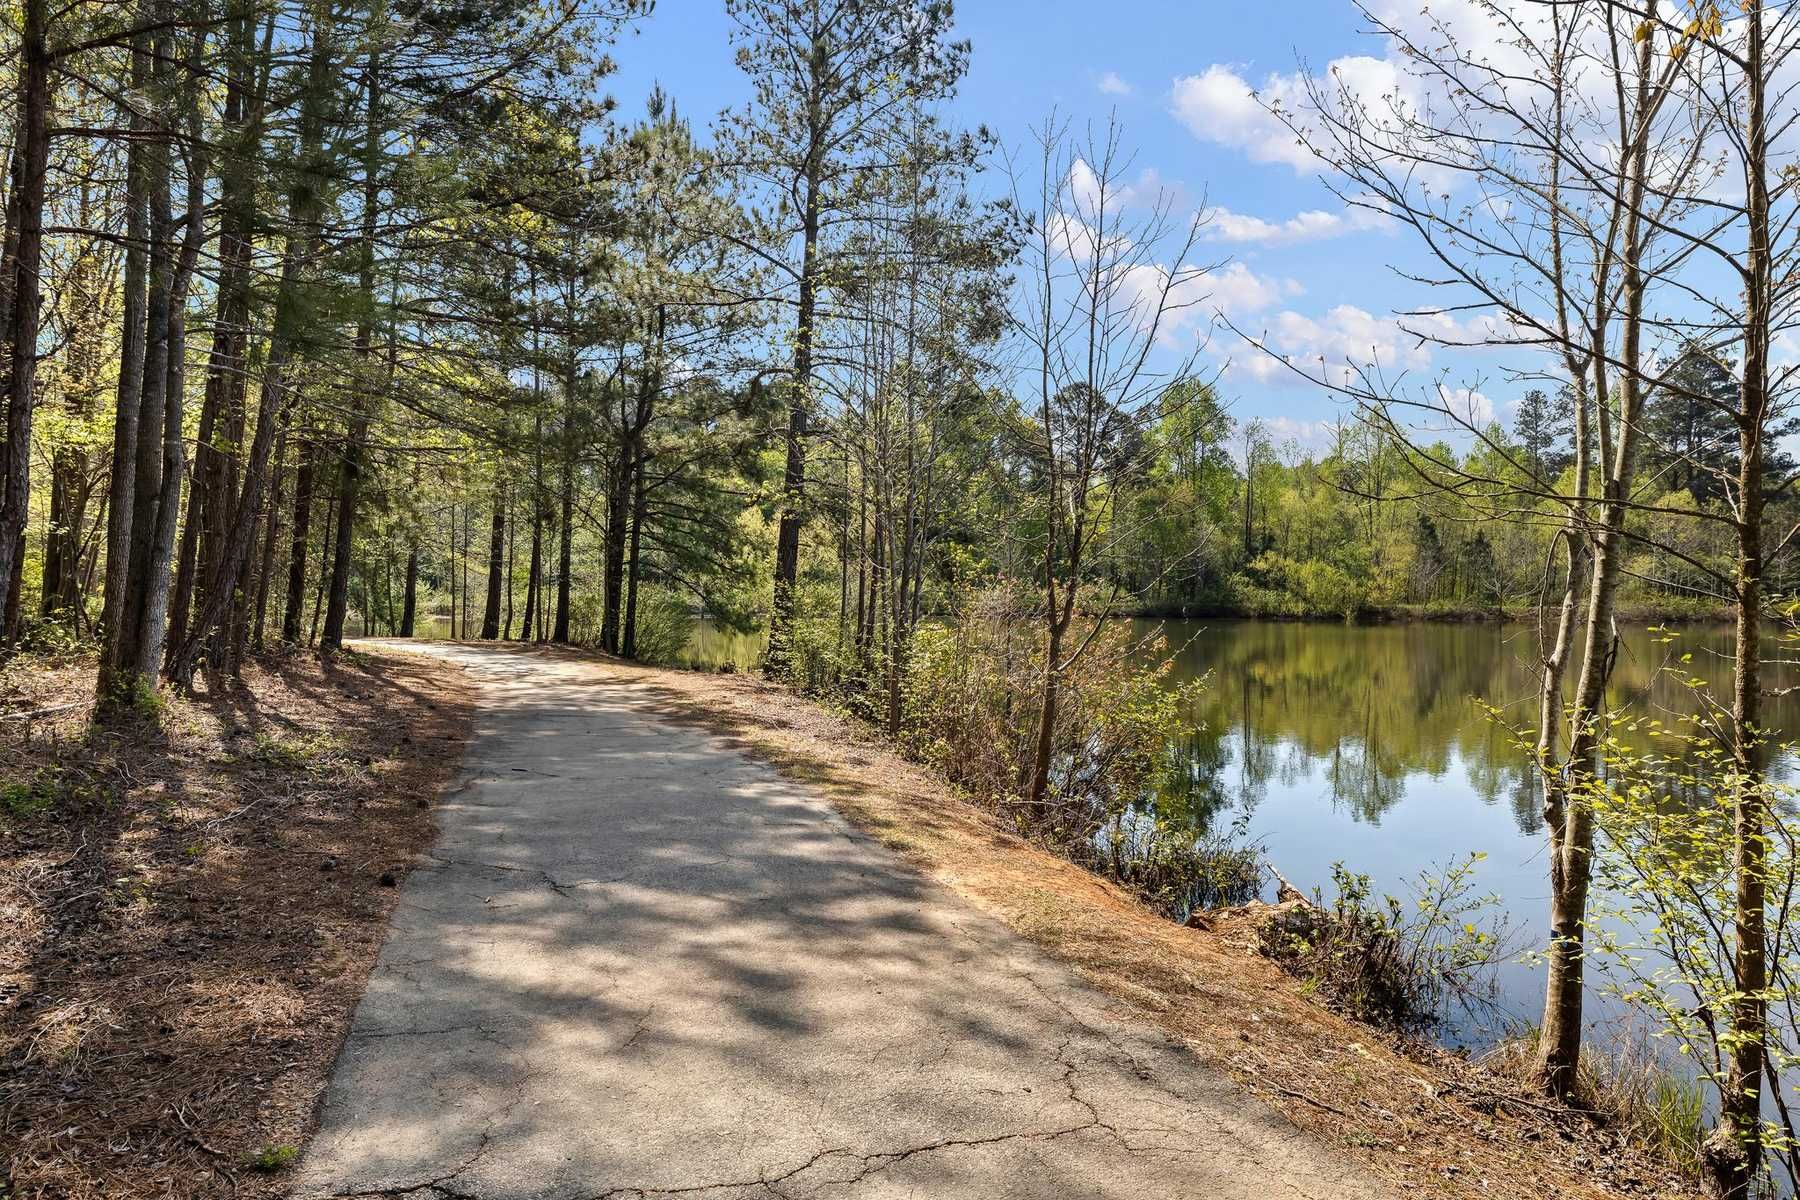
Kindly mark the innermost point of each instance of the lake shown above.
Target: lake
(1364, 745)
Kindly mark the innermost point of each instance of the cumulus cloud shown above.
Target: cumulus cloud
(1237, 291)
(1308, 435)
(1147, 190)
(1332, 346)
(1222, 105)
(1466, 404)
(1111, 84)
(1312, 225)
(1219, 105)
(1346, 346)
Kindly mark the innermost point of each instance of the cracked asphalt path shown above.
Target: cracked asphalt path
(640, 964)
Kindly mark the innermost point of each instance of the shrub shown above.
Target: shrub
(586, 612)
(1382, 960)
(971, 705)
(1629, 1086)
(1172, 868)
(665, 624)
(45, 788)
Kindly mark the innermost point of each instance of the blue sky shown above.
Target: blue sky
(1313, 275)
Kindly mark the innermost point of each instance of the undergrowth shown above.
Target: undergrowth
(1628, 1087)
(1404, 965)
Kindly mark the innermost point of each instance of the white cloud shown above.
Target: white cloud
(1308, 435)
(1237, 291)
(1312, 225)
(1219, 106)
(1466, 404)
(1348, 346)
(1195, 299)
(1112, 85)
(1222, 105)
(1148, 190)
(1334, 346)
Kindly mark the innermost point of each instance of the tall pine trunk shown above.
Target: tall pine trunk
(632, 567)
(305, 201)
(496, 562)
(21, 282)
(115, 686)
(293, 610)
(787, 538)
(154, 630)
(565, 551)
(363, 398)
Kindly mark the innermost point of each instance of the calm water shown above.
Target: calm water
(1364, 745)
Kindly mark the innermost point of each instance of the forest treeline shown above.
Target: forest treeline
(328, 317)
(376, 317)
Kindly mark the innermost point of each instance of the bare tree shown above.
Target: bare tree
(1545, 170)
(1104, 290)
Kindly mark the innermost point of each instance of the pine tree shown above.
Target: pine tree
(828, 78)
(1543, 427)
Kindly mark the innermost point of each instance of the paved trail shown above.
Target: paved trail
(641, 965)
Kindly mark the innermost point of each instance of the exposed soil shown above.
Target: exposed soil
(1427, 1121)
(189, 908)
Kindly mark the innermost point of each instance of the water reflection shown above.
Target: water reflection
(1365, 745)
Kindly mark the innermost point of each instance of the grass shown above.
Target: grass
(307, 752)
(271, 1159)
(42, 788)
(1629, 1088)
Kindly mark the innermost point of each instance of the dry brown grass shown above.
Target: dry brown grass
(187, 925)
(1429, 1122)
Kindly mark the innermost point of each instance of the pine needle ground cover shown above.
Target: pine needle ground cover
(190, 903)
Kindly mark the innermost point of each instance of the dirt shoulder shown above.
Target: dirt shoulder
(1426, 1121)
(188, 913)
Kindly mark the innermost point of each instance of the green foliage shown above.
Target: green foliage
(133, 696)
(1404, 965)
(1626, 1083)
(665, 623)
(307, 752)
(23, 798)
(972, 701)
(273, 1159)
(1174, 870)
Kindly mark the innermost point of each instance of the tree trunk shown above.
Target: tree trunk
(629, 645)
(1734, 1151)
(304, 203)
(528, 625)
(618, 508)
(565, 546)
(265, 571)
(490, 610)
(299, 529)
(222, 409)
(363, 398)
(70, 489)
(115, 688)
(787, 541)
(324, 573)
(151, 639)
(21, 281)
(410, 606)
